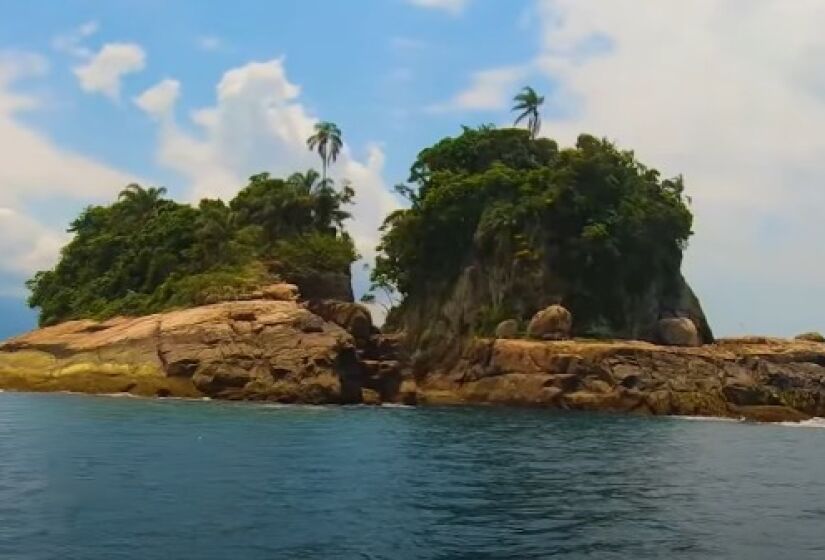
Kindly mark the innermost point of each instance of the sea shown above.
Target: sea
(107, 478)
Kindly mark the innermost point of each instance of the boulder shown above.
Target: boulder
(810, 337)
(280, 292)
(552, 323)
(507, 329)
(678, 331)
(352, 317)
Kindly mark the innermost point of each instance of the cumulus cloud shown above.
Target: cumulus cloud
(33, 168)
(105, 70)
(25, 244)
(159, 100)
(453, 7)
(488, 89)
(724, 93)
(728, 95)
(259, 124)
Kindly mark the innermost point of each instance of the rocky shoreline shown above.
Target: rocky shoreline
(328, 352)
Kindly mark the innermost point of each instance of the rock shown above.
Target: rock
(810, 337)
(552, 323)
(387, 347)
(280, 292)
(507, 329)
(770, 414)
(352, 317)
(369, 396)
(631, 376)
(678, 331)
(260, 350)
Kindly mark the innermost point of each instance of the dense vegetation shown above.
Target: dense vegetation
(146, 253)
(592, 217)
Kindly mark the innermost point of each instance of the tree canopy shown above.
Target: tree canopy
(145, 253)
(592, 216)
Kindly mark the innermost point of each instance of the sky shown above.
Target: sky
(197, 96)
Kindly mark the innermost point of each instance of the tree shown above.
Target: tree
(528, 103)
(141, 202)
(306, 182)
(327, 142)
(145, 253)
(588, 221)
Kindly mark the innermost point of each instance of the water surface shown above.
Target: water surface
(106, 478)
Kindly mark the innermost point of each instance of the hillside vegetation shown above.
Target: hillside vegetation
(145, 253)
(501, 224)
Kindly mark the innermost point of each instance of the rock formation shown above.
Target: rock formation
(253, 350)
(282, 351)
(507, 329)
(551, 323)
(756, 378)
(811, 337)
(678, 331)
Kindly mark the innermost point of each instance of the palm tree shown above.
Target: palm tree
(142, 202)
(327, 142)
(528, 103)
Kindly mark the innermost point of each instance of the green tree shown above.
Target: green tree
(589, 222)
(527, 103)
(141, 202)
(305, 182)
(327, 142)
(144, 253)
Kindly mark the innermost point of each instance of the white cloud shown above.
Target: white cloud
(454, 7)
(26, 245)
(159, 100)
(210, 43)
(105, 70)
(71, 42)
(259, 124)
(488, 90)
(34, 169)
(731, 95)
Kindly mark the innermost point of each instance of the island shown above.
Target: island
(520, 273)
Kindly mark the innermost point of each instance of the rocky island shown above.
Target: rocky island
(524, 275)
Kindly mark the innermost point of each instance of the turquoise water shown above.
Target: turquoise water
(119, 478)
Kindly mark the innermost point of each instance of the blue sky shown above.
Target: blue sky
(196, 96)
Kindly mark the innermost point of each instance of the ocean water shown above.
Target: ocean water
(121, 478)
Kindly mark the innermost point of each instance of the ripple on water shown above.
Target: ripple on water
(99, 478)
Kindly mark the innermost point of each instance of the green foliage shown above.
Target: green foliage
(145, 253)
(602, 223)
(314, 253)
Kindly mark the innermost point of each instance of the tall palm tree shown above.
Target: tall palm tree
(327, 142)
(528, 103)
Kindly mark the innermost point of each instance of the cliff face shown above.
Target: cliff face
(440, 320)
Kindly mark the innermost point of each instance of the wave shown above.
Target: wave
(812, 423)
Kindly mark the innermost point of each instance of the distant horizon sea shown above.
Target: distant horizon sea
(94, 478)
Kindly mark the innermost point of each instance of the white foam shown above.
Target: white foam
(706, 418)
(812, 423)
